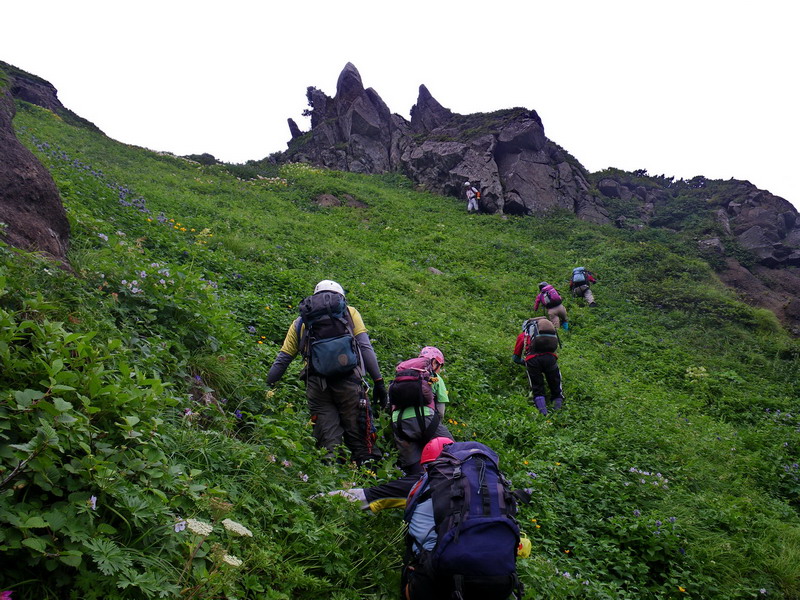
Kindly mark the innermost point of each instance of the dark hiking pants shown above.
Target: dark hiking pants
(340, 412)
(541, 367)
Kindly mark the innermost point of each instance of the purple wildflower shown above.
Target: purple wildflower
(180, 526)
(251, 329)
(92, 502)
(636, 513)
(237, 413)
(532, 475)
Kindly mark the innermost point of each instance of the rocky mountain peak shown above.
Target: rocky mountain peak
(427, 114)
(505, 154)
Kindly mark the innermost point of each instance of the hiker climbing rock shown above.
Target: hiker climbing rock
(333, 341)
(553, 303)
(581, 284)
(536, 349)
(473, 195)
(417, 398)
(462, 536)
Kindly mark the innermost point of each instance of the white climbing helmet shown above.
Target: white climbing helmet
(327, 285)
(467, 184)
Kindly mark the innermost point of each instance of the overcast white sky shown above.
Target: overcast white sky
(682, 88)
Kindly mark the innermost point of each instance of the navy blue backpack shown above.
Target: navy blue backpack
(474, 514)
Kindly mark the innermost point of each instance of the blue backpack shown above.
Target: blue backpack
(473, 511)
(328, 342)
(579, 276)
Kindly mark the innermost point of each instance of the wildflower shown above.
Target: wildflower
(558, 464)
(303, 476)
(251, 329)
(6, 595)
(180, 526)
(231, 560)
(199, 527)
(538, 527)
(636, 513)
(567, 575)
(532, 475)
(187, 412)
(237, 528)
(762, 591)
(658, 523)
(92, 501)
(524, 462)
(586, 582)
(286, 463)
(680, 589)
(672, 519)
(271, 458)
(566, 551)
(103, 237)
(237, 413)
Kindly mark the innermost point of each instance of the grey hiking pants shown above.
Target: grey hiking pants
(585, 292)
(340, 412)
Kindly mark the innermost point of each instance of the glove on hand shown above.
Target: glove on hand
(518, 360)
(379, 393)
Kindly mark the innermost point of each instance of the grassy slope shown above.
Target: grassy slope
(637, 401)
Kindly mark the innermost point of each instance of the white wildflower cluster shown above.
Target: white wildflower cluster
(199, 527)
(297, 168)
(236, 528)
(272, 180)
(696, 374)
(231, 560)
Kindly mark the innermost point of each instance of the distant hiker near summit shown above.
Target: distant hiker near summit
(473, 195)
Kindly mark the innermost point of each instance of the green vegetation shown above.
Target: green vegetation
(133, 413)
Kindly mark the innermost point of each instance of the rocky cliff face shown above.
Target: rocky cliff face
(725, 217)
(505, 154)
(30, 204)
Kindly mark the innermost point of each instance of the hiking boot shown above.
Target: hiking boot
(592, 304)
(557, 403)
(540, 403)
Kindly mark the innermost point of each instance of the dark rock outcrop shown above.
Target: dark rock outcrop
(505, 154)
(724, 214)
(30, 204)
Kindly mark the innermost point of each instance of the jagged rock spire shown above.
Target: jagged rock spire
(427, 114)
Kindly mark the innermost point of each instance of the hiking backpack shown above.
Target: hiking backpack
(474, 514)
(328, 342)
(579, 276)
(551, 296)
(540, 336)
(411, 388)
